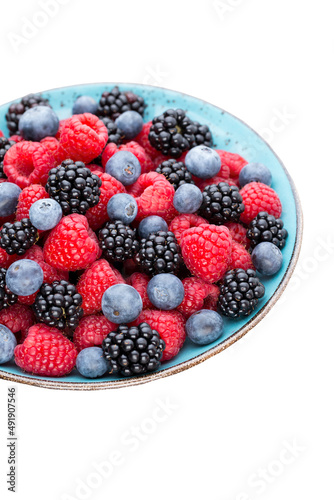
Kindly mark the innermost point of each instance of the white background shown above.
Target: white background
(238, 412)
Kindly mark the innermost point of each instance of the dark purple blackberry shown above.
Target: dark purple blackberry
(115, 102)
(115, 134)
(74, 186)
(239, 293)
(7, 298)
(133, 350)
(5, 144)
(221, 203)
(159, 253)
(118, 241)
(172, 133)
(16, 110)
(266, 227)
(175, 172)
(58, 305)
(18, 236)
(202, 135)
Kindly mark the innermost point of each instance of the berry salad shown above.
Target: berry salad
(121, 237)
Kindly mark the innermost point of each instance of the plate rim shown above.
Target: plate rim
(200, 358)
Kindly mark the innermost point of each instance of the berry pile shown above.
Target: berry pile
(119, 239)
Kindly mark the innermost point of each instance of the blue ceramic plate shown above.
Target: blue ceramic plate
(230, 134)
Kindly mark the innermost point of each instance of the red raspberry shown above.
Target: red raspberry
(233, 161)
(211, 300)
(139, 281)
(171, 214)
(1, 133)
(130, 266)
(238, 233)
(50, 273)
(60, 128)
(27, 163)
(143, 140)
(27, 300)
(82, 138)
(46, 351)
(133, 147)
(6, 260)
(224, 171)
(108, 152)
(259, 197)
(10, 218)
(198, 294)
(51, 145)
(118, 275)
(16, 138)
(171, 327)
(27, 197)
(154, 195)
(94, 282)
(71, 245)
(95, 168)
(97, 216)
(91, 331)
(159, 159)
(18, 318)
(206, 251)
(240, 258)
(232, 182)
(183, 222)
